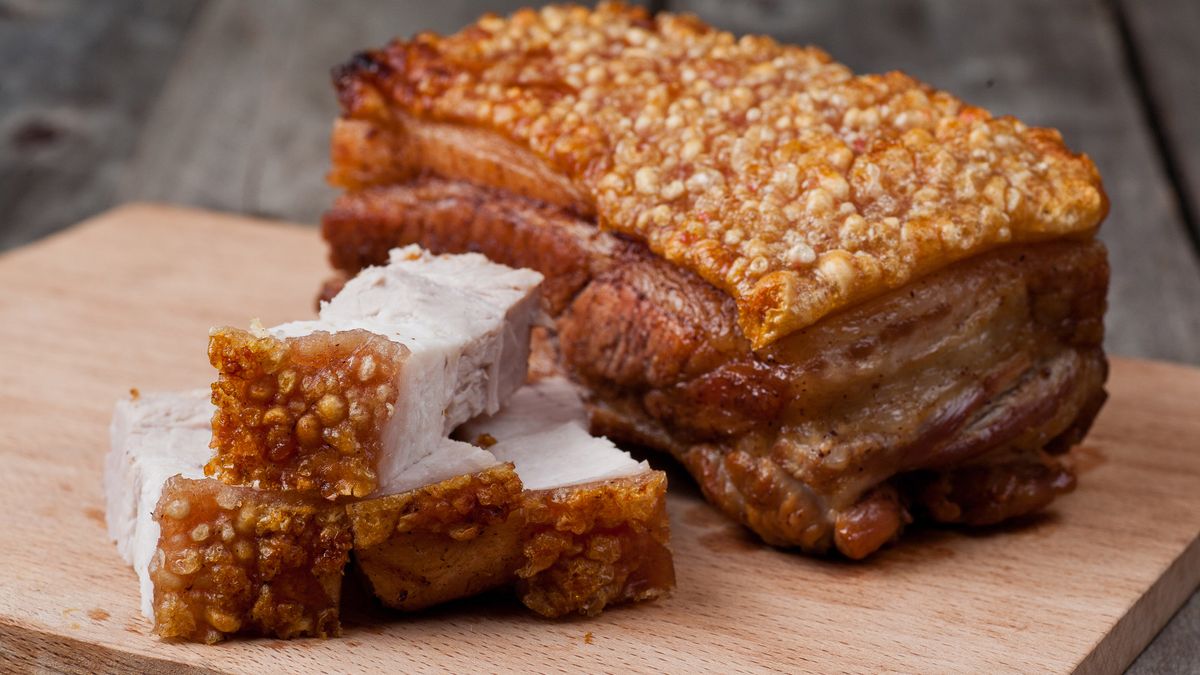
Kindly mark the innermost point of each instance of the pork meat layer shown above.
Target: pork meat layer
(949, 398)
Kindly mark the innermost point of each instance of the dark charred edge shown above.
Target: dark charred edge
(1152, 113)
(363, 65)
(331, 287)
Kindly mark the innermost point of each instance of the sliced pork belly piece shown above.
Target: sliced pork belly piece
(214, 560)
(448, 540)
(593, 545)
(543, 433)
(586, 530)
(596, 529)
(237, 559)
(362, 399)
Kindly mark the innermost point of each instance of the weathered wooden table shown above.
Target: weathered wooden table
(227, 104)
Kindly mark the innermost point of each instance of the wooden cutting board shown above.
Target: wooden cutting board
(126, 300)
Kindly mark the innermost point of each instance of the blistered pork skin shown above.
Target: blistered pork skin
(988, 363)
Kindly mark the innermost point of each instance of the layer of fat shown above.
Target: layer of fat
(466, 322)
(542, 430)
(152, 437)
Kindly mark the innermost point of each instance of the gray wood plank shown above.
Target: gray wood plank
(198, 144)
(77, 80)
(1053, 64)
(1175, 649)
(1166, 49)
(244, 124)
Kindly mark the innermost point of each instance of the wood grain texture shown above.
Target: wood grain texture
(24, 650)
(78, 80)
(1166, 48)
(126, 300)
(1056, 64)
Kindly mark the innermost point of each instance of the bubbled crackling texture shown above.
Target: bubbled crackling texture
(301, 414)
(239, 560)
(770, 170)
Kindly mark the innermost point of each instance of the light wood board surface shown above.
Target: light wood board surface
(126, 300)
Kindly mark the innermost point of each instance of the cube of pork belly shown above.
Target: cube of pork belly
(589, 546)
(448, 540)
(570, 520)
(362, 399)
(305, 413)
(239, 560)
(213, 559)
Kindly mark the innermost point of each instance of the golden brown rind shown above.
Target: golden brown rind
(590, 546)
(569, 550)
(239, 560)
(771, 171)
(302, 413)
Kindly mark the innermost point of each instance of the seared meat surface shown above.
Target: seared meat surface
(948, 398)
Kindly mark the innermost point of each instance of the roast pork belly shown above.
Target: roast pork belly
(841, 301)
(363, 399)
(212, 559)
(569, 520)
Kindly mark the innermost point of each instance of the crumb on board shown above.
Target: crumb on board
(587, 637)
(134, 393)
